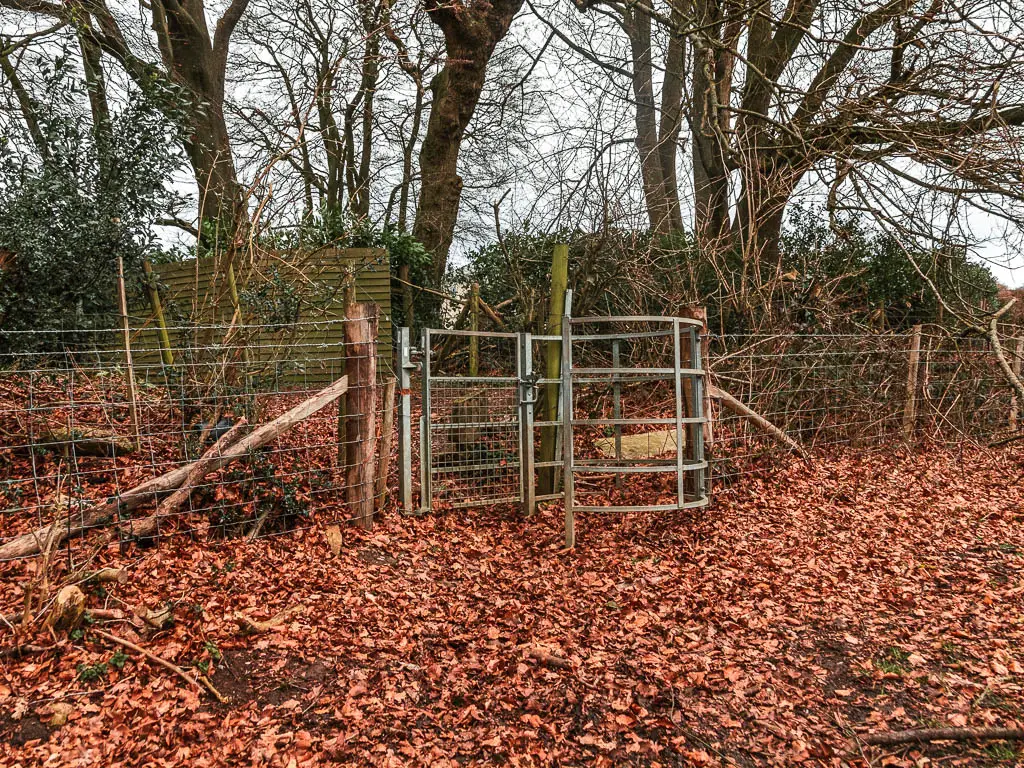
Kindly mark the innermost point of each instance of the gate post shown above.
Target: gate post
(405, 369)
(426, 494)
(360, 422)
(526, 400)
(568, 488)
(697, 363)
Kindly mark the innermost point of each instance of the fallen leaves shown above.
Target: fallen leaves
(806, 607)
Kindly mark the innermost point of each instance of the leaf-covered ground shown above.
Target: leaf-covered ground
(860, 595)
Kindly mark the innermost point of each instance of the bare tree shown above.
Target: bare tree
(190, 59)
(472, 29)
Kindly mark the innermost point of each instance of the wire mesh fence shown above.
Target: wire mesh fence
(81, 431)
(853, 390)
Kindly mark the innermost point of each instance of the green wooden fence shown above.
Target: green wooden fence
(291, 306)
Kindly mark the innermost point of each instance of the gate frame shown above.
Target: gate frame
(527, 384)
(426, 447)
(683, 466)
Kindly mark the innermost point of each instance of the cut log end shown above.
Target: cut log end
(67, 611)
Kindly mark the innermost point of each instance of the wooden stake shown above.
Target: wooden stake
(360, 424)
(387, 437)
(474, 325)
(910, 407)
(553, 362)
(133, 404)
(1018, 357)
(166, 353)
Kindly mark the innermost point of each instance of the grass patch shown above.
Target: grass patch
(893, 661)
(1002, 751)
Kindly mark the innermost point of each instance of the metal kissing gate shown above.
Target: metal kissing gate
(614, 397)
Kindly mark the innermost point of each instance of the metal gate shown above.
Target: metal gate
(492, 430)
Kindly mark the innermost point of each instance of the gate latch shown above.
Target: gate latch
(528, 389)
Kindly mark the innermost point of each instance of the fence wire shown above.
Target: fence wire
(851, 391)
(69, 441)
(70, 437)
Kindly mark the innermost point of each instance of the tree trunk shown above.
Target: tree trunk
(472, 29)
(710, 172)
(359, 192)
(648, 143)
(671, 123)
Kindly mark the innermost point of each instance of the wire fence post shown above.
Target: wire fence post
(153, 292)
(1018, 358)
(405, 369)
(552, 363)
(910, 407)
(360, 421)
(133, 402)
(348, 290)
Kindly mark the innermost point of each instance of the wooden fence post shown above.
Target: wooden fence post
(553, 364)
(387, 437)
(1015, 366)
(348, 293)
(699, 313)
(910, 407)
(166, 354)
(133, 402)
(361, 415)
(474, 325)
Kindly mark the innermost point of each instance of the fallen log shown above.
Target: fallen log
(86, 441)
(924, 735)
(103, 512)
(149, 526)
(744, 411)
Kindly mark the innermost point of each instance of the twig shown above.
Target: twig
(944, 734)
(252, 626)
(199, 682)
(23, 650)
(1006, 440)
